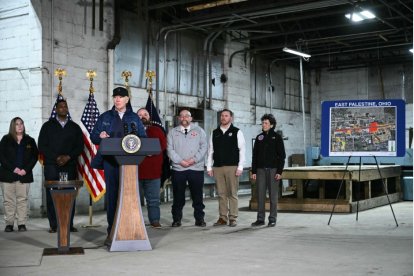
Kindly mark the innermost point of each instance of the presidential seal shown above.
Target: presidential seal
(131, 143)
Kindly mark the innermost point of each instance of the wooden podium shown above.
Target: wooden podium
(63, 194)
(128, 231)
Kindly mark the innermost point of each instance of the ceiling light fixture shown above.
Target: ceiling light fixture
(360, 16)
(287, 50)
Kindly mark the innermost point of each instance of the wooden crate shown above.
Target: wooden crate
(363, 185)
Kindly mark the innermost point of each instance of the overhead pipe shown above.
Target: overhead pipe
(205, 79)
(168, 30)
(210, 85)
(110, 48)
(397, 11)
(267, 10)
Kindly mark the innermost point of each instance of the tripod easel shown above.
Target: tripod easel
(358, 188)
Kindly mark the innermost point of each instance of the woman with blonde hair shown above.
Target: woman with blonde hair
(18, 156)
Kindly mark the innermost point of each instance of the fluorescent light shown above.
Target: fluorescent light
(354, 17)
(296, 52)
(367, 14)
(359, 16)
(411, 50)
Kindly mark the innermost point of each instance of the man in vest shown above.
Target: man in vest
(226, 156)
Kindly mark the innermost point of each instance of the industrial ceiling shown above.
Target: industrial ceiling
(318, 28)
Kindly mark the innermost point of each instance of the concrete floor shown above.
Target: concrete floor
(300, 244)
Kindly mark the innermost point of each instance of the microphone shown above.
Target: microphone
(125, 129)
(134, 129)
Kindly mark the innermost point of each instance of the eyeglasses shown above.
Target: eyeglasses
(184, 116)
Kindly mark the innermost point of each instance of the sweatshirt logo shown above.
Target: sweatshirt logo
(260, 137)
(230, 134)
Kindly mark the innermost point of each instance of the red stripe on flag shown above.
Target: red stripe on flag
(90, 175)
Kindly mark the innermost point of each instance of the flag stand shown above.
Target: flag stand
(90, 225)
(88, 120)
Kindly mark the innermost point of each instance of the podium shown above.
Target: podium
(128, 231)
(63, 195)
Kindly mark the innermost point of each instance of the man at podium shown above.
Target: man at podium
(115, 123)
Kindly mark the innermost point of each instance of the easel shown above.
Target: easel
(358, 188)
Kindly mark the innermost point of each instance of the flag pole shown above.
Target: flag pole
(91, 74)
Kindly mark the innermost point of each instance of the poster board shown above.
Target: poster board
(363, 128)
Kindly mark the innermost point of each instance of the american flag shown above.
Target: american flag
(93, 178)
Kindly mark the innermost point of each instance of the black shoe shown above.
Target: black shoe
(271, 224)
(200, 223)
(258, 223)
(22, 228)
(176, 223)
(52, 230)
(73, 229)
(9, 228)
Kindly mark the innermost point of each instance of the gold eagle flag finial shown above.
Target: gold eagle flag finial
(126, 75)
(149, 74)
(91, 74)
(60, 73)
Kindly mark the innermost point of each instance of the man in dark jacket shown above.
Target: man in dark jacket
(113, 123)
(60, 142)
(267, 166)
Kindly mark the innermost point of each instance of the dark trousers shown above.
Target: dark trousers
(265, 179)
(52, 173)
(195, 181)
(112, 187)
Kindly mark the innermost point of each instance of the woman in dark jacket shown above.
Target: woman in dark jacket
(18, 156)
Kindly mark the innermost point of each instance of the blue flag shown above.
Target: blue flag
(153, 112)
(53, 114)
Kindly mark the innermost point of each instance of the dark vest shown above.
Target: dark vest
(226, 150)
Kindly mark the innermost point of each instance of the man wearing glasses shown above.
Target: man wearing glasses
(186, 147)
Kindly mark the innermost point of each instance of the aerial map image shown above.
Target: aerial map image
(363, 129)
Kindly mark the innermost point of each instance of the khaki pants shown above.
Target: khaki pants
(227, 185)
(15, 201)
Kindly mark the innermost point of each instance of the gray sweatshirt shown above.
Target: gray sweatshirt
(181, 147)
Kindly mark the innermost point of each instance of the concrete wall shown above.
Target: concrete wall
(36, 37)
(21, 72)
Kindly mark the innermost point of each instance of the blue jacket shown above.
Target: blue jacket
(106, 120)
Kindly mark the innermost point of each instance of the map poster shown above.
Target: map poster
(363, 128)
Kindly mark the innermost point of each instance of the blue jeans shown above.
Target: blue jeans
(151, 189)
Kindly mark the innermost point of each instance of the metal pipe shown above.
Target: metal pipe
(403, 85)
(210, 85)
(205, 78)
(52, 49)
(165, 71)
(303, 108)
(397, 11)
